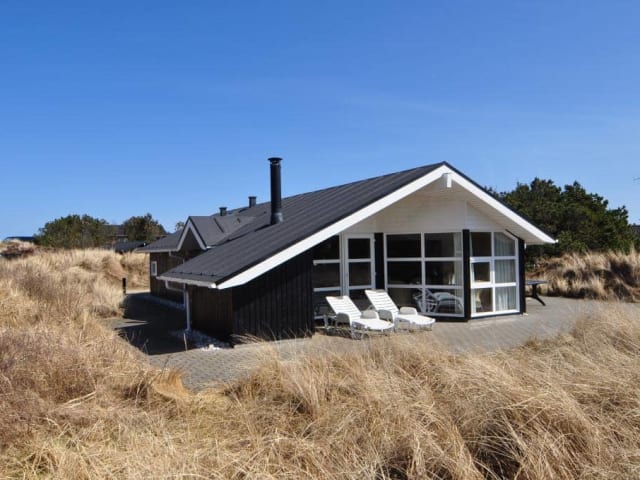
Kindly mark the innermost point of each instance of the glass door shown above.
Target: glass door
(358, 272)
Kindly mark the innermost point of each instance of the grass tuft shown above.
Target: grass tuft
(595, 275)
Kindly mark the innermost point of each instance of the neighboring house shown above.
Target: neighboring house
(20, 239)
(126, 246)
(635, 229)
(430, 236)
(116, 234)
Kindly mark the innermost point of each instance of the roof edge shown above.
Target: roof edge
(283, 255)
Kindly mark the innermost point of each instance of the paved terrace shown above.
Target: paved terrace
(148, 323)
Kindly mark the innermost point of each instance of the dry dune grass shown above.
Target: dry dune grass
(597, 275)
(77, 402)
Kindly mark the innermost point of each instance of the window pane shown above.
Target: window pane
(327, 250)
(326, 275)
(505, 298)
(320, 305)
(359, 298)
(481, 300)
(443, 273)
(443, 244)
(505, 271)
(440, 300)
(404, 297)
(404, 273)
(360, 274)
(481, 272)
(359, 248)
(480, 244)
(504, 246)
(403, 246)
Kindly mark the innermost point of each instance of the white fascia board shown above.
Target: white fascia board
(155, 251)
(333, 229)
(190, 227)
(197, 283)
(507, 212)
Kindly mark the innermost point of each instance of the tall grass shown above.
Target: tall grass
(598, 275)
(78, 402)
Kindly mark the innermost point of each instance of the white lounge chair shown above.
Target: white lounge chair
(388, 310)
(347, 312)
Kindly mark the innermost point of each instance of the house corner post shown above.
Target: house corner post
(187, 306)
(521, 276)
(466, 273)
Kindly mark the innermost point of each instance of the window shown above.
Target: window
(326, 274)
(425, 271)
(493, 273)
(153, 269)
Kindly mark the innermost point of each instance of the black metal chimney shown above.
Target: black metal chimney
(276, 192)
(252, 201)
(223, 211)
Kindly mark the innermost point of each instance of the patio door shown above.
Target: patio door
(358, 267)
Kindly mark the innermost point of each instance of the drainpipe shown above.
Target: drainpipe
(187, 305)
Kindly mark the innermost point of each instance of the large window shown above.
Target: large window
(425, 271)
(326, 274)
(342, 265)
(493, 273)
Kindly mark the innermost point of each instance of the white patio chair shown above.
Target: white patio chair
(347, 312)
(388, 310)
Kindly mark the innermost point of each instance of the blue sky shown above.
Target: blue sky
(116, 108)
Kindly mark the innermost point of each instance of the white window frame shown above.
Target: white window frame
(492, 283)
(153, 268)
(453, 289)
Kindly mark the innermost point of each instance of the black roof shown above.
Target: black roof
(167, 243)
(304, 214)
(122, 247)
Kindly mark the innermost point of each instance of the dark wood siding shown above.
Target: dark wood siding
(278, 304)
(157, 287)
(211, 311)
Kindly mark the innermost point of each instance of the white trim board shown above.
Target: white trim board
(197, 283)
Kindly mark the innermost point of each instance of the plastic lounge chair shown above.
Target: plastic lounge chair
(347, 312)
(388, 310)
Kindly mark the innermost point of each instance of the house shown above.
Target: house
(430, 236)
(116, 234)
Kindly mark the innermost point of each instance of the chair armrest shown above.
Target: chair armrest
(408, 310)
(370, 314)
(385, 315)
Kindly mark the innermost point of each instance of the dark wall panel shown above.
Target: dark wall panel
(211, 311)
(157, 287)
(278, 304)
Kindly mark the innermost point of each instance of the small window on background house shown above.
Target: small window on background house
(154, 268)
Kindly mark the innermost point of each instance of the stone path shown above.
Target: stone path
(147, 325)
